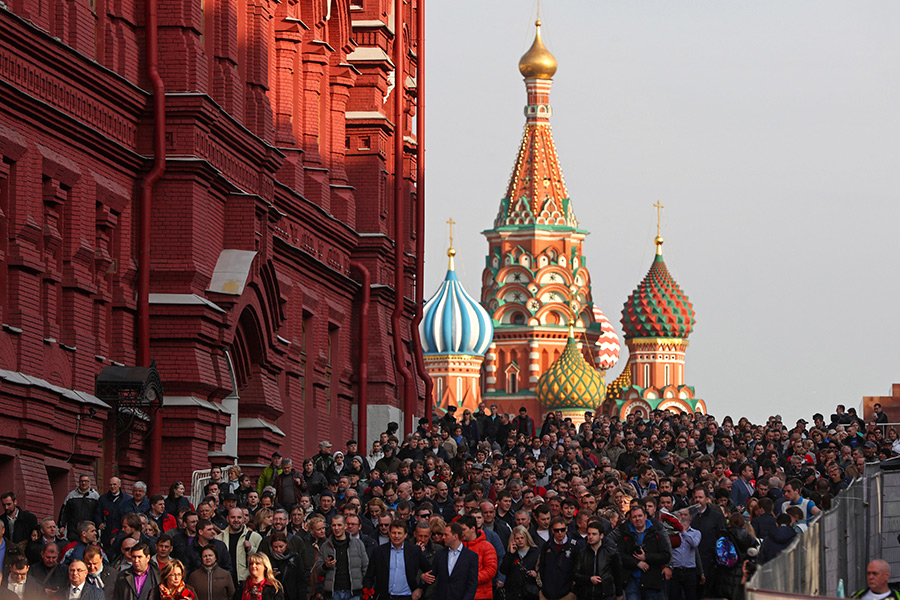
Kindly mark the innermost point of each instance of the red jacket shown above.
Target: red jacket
(487, 565)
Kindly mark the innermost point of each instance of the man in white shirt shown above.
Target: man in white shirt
(20, 582)
(878, 573)
(79, 589)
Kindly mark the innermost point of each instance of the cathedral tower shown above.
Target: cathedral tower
(536, 279)
(657, 320)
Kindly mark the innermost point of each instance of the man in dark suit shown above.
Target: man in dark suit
(78, 586)
(394, 567)
(455, 568)
(100, 575)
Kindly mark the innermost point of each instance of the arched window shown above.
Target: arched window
(512, 379)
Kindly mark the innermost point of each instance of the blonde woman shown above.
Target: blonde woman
(261, 583)
(262, 521)
(520, 566)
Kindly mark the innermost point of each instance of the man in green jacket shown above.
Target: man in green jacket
(267, 477)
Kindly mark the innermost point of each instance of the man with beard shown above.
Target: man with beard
(241, 542)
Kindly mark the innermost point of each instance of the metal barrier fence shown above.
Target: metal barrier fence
(836, 547)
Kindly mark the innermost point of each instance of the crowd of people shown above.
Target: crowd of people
(486, 505)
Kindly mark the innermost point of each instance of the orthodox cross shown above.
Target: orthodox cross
(659, 207)
(451, 223)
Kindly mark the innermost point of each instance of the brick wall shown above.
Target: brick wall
(258, 159)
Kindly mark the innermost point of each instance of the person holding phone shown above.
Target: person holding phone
(645, 550)
(342, 562)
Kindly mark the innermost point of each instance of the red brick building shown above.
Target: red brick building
(280, 140)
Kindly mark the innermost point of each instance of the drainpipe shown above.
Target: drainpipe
(159, 166)
(420, 206)
(409, 401)
(363, 373)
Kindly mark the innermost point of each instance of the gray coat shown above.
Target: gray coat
(359, 563)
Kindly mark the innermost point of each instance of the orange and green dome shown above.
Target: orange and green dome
(570, 382)
(658, 308)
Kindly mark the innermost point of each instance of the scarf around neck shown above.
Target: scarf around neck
(177, 593)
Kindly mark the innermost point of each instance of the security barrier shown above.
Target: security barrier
(862, 524)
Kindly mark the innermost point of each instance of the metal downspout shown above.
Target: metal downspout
(151, 11)
(363, 372)
(408, 389)
(420, 207)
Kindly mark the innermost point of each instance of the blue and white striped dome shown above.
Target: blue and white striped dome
(453, 322)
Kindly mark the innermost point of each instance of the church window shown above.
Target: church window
(667, 375)
(646, 375)
(512, 380)
(518, 319)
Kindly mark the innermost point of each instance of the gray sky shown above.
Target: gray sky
(769, 130)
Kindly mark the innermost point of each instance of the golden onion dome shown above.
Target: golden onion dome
(537, 63)
(570, 382)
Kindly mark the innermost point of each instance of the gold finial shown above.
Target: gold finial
(538, 62)
(451, 252)
(659, 240)
(571, 328)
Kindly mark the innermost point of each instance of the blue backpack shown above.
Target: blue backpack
(726, 553)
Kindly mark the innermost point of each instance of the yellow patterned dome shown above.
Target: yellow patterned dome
(570, 382)
(538, 62)
(614, 390)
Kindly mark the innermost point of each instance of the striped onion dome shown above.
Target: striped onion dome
(658, 308)
(607, 346)
(453, 322)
